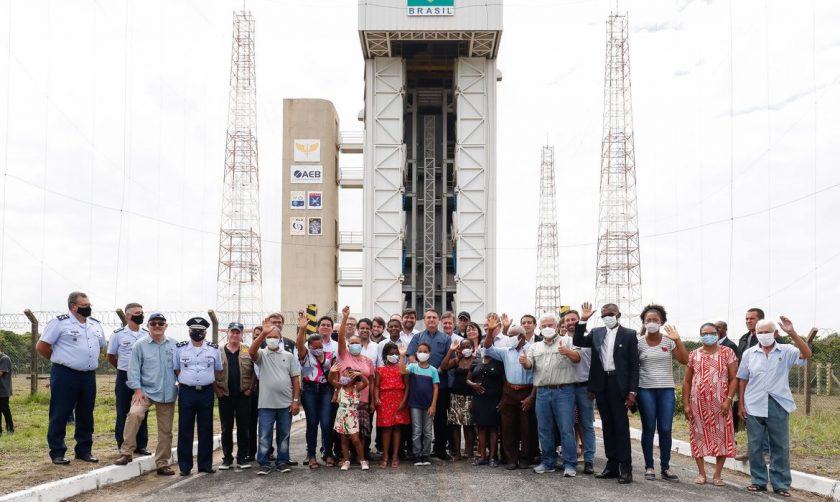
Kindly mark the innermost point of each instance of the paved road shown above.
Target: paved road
(442, 481)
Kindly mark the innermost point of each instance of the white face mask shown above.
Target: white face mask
(548, 333)
(393, 358)
(610, 321)
(272, 343)
(423, 356)
(766, 339)
(652, 327)
(466, 352)
(504, 342)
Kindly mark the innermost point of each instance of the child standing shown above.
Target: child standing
(349, 384)
(422, 399)
(390, 397)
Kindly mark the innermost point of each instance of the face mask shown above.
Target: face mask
(272, 343)
(610, 321)
(197, 335)
(548, 333)
(344, 381)
(84, 311)
(466, 352)
(317, 352)
(137, 319)
(709, 339)
(652, 327)
(765, 339)
(393, 358)
(355, 348)
(423, 356)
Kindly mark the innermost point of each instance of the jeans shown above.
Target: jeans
(7, 414)
(777, 426)
(556, 410)
(656, 407)
(123, 396)
(422, 431)
(315, 399)
(268, 418)
(586, 411)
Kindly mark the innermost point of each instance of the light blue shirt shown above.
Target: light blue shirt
(120, 344)
(150, 369)
(74, 344)
(767, 376)
(515, 374)
(197, 365)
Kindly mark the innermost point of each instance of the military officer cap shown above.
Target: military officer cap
(198, 323)
(235, 325)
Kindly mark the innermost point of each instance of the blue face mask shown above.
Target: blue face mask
(355, 348)
(709, 339)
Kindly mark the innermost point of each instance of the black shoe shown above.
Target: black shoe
(142, 451)
(512, 466)
(625, 478)
(283, 468)
(208, 471)
(667, 475)
(61, 461)
(293, 463)
(443, 456)
(587, 468)
(184, 473)
(607, 474)
(88, 458)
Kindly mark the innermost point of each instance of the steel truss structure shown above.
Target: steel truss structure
(548, 271)
(618, 273)
(239, 285)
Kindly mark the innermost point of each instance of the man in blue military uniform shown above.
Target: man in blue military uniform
(72, 342)
(198, 364)
(119, 354)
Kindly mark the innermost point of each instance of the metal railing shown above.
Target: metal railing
(350, 275)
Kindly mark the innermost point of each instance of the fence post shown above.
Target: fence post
(828, 379)
(33, 354)
(215, 322)
(121, 315)
(811, 335)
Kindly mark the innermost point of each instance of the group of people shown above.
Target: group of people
(456, 390)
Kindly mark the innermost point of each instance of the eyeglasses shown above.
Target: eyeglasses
(157, 324)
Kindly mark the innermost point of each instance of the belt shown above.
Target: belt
(519, 387)
(582, 384)
(560, 386)
(315, 384)
(610, 373)
(194, 387)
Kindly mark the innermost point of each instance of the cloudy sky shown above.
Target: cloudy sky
(113, 116)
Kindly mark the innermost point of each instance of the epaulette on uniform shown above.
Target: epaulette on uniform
(118, 330)
(181, 344)
(144, 329)
(214, 345)
(94, 319)
(62, 317)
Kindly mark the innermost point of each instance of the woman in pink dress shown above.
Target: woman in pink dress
(708, 390)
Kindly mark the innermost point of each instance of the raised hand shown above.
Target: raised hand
(671, 332)
(586, 311)
(302, 320)
(403, 349)
(267, 327)
(786, 325)
(454, 346)
(345, 312)
(506, 320)
(523, 357)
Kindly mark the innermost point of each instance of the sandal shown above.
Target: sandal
(756, 488)
(782, 493)
(700, 480)
(313, 464)
(718, 482)
(395, 464)
(330, 461)
(384, 463)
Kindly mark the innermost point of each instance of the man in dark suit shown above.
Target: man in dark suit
(614, 379)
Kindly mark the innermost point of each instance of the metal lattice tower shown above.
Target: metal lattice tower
(618, 271)
(239, 288)
(548, 272)
(428, 211)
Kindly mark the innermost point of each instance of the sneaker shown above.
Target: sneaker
(588, 468)
(667, 475)
(345, 466)
(284, 468)
(649, 474)
(569, 472)
(263, 470)
(493, 463)
(542, 468)
(242, 465)
(365, 465)
(419, 462)
(427, 461)
(225, 466)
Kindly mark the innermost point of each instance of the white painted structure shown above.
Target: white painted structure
(430, 156)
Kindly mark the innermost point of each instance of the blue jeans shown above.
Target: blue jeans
(656, 407)
(586, 411)
(556, 410)
(315, 399)
(777, 426)
(268, 417)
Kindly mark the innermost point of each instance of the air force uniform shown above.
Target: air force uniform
(75, 357)
(196, 368)
(120, 344)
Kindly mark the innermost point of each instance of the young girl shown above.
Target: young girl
(390, 397)
(349, 384)
(422, 399)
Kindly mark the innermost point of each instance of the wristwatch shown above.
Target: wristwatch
(295, 400)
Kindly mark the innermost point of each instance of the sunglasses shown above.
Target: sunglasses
(157, 324)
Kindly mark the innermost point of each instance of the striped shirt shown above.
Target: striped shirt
(656, 371)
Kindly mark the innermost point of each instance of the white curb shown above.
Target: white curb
(99, 478)
(819, 485)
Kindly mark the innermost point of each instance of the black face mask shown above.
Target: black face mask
(84, 311)
(197, 335)
(137, 319)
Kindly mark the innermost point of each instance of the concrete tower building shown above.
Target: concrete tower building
(429, 154)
